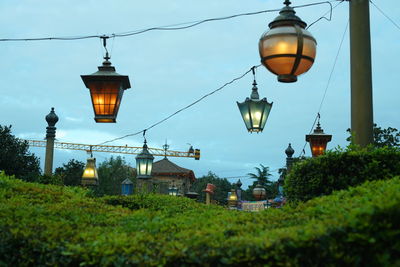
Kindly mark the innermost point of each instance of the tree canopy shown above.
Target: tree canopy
(111, 174)
(15, 159)
(389, 137)
(71, 173)
(223, 186)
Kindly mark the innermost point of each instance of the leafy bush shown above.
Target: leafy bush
(57, 226)
(338, 170)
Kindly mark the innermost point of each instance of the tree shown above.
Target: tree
(262, 177)
(111, 174)
(223, 186)
(15, 159)
(71, 173)
(389, 137)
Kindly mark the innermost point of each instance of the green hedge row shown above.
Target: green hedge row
(337, 170)
(59, 226)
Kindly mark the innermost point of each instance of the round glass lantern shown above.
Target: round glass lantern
(259, 192)
(287, 49)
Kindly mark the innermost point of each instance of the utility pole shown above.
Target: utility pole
(361, 74)
(51, 119)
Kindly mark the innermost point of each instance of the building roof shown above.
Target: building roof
(167, 167)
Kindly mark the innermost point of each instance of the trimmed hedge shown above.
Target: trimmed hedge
(337, 170)
(59, 226)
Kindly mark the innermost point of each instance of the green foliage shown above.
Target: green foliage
(71, 173)
(111, 174)
(223, 186)
(389, 137)
(15, 159)
(44, 225)
(338, 170)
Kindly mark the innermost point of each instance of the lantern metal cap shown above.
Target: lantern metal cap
(145, 154)
(107, 72)
(318, 131)
(287, 17)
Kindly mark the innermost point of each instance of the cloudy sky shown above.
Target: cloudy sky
(170, 69)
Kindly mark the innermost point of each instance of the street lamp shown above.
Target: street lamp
(318, 140)
(287, 49)
(90, 177)
(106, 89)
(144, 163)
(254, 111)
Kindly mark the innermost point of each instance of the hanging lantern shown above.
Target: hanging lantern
(254, 111)
(90, 177)
(287, 49)
(318, 140)
(259, 192)
(144, 163)
(106, 89)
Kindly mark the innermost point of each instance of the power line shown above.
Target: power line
(160, 28)
(182, 109)
(302, 152)
(383, 13)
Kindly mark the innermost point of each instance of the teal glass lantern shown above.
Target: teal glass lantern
(144, 163)
(255, 111)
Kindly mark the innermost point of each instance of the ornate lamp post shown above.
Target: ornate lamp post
(106, 89)
(287, 49)
(254, 111)
(144, 163)
(51, 119)
(318, 140)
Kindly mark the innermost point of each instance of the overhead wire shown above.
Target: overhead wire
(302, 152)
(384, 14)
(160, 28)
(184, 108)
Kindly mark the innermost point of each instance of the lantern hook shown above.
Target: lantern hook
(318, 116)
(144, 136)
(104, 38)
(287, 2)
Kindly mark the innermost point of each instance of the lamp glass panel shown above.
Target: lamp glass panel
(303, 67)
(144, 166)
(105, 97)
(90, 169)
(318, 147)
(244, 111)
(279, 44)
(281, 65)
(309, 47)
